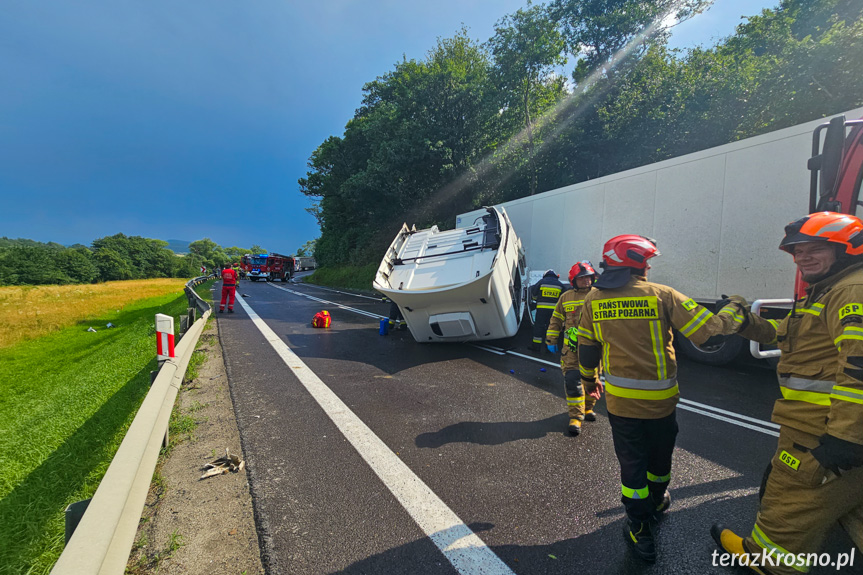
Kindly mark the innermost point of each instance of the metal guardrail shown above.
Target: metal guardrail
(103, 539)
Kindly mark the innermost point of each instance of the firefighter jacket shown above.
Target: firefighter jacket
(566, 314)
(229, 277)
(821, 367)
(546, 291)
(632, 325)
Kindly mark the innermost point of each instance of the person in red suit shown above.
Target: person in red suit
(229, 289)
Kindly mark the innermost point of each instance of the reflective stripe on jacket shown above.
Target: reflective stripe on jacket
(633, 326)
(566, 314)
(821, 366)
(546, 291)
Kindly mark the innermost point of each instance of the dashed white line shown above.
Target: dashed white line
(463, 548)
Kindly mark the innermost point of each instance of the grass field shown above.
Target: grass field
(66, 400)
(29, 312)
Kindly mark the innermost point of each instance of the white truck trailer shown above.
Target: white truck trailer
(717, 215)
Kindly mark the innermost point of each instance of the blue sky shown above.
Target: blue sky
(183, 120)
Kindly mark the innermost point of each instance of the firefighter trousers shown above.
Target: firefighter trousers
(798, 508)
(229, 293)
(540, 326)
(577, 403)
(643, 448)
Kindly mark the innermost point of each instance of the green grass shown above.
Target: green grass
(354, 277)
(66, 401)
(197, 360)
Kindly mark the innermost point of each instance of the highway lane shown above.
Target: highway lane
(484, 430)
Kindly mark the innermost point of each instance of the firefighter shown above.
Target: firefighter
(564, 319)
(627, 322)
(229, 289)
(816, 474)
(545, 292)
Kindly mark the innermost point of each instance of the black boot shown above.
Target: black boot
(640, 538)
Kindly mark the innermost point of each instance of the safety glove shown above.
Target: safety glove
(741, 308)
(553, 348)
(838, 454)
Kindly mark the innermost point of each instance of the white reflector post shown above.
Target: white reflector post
(164, 337)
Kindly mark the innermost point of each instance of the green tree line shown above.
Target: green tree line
(478, 123)
(117, 257)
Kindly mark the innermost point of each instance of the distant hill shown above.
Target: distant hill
(178, 246)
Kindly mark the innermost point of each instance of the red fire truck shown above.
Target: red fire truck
(269, 267)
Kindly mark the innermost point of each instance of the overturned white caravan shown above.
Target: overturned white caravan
(466, 284)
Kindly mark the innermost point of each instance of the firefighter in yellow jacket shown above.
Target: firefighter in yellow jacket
(564, 320)
(627, 323)
(816, 475)
(546, 293)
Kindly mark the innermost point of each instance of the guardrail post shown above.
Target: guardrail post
(193, 313)
(184, 324)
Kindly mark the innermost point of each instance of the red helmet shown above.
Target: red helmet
(628, 250)
(580, 270)
(839, 229)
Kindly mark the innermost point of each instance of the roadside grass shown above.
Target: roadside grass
(66, 401)
(30, 312)
(354, 277)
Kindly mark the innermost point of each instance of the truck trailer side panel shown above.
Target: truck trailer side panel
(717, 215)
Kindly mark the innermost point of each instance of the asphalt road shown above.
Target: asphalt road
(482, 428)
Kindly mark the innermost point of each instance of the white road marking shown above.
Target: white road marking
(377, 299)
(463, 548)
(766, 427)
(684, 406)
(732, 414)
(332, 303)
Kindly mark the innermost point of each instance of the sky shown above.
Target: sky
(193, 119)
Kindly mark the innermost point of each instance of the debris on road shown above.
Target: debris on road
(223, 465)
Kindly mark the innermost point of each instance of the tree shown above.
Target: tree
(307, 249)
(256, 249)
(78, 265)
(111, 265)
(527, 46)
(602, 33)
(409, 151)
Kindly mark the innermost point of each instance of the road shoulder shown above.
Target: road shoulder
(192, 525)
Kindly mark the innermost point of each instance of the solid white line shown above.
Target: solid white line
(332, 303)
(488, 349)
(731, 413)
(536, 359)
(462, 547)
(377, 299)
(729, 420)
(686, 404)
